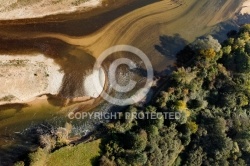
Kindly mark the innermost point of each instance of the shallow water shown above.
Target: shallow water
(75, 42)
(16, 119)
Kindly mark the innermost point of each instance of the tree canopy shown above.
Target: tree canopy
(211, 90)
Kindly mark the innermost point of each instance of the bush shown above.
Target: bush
(38, 158)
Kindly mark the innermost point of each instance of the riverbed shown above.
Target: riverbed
(74, 42)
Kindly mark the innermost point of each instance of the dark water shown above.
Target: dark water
(17, 119)
(76, 24)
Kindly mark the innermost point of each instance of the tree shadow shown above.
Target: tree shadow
(171, 45)
(221, 31)
(95, 161)
(243, 19)
(224, 29)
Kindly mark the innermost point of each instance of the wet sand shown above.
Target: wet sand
(138, 23)
(74, 41)
(143, 26)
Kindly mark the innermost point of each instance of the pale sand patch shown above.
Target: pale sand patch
(245, 7)
(22, 78)
(93, 83)
(143, 27)
(20, 9)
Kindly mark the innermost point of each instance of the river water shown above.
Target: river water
(18, 120)
(74, 41)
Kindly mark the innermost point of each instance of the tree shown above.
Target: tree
(206, 43)
(195, 157)
(211, 90)
(208, 53)
(242, 61)
(192, 126)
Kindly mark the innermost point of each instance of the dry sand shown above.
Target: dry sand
(20, 9)
(24, 78)
(91, 89)
(245, 7)
(143, 27)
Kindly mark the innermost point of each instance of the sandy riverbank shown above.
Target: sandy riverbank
(245, 7)
(22, 9)
(24, 78)
(144, 27)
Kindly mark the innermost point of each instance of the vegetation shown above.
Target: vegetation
(7, 98)
(50, 140)
(38, 158)
(210, 89)
(84, 154)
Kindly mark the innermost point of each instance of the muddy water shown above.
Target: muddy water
(75, 24)
(75, 41)
(74, 60)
